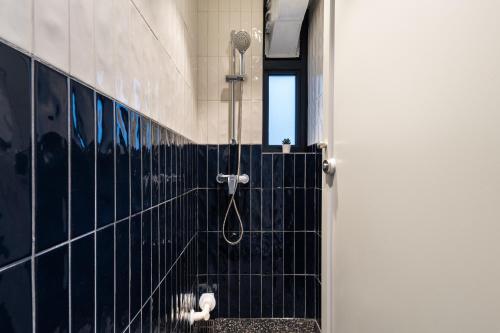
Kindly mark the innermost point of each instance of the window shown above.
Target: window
(285, 99)
(282, 108)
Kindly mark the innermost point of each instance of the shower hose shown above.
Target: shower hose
(232, 202)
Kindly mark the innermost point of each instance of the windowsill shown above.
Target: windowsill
(278, 149)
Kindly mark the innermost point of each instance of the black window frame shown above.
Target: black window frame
(289, 66)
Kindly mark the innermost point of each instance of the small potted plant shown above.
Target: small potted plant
(286, 145)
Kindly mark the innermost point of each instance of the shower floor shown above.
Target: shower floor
(257, 326)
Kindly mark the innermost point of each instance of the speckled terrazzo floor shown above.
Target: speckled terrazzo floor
(258, 326)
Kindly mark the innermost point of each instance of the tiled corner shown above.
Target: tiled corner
(121, 48)
(278, 256)
(98, 245)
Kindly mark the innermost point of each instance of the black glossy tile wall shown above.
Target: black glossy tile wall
(127, 216)
(51, 161)
(105, 170)
(111, 244)
(16, 297)
(82, 159)
(15, 155)
(277, 261)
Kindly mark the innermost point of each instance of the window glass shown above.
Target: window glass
(282, 104)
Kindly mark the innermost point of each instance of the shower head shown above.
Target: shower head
(241, 41)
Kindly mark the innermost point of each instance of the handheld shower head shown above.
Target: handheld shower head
(242, 41)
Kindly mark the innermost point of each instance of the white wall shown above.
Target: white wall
(141, 52)
(315, 72)
(417, 138)
(216, 20)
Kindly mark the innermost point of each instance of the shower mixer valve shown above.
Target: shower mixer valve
(232, 181)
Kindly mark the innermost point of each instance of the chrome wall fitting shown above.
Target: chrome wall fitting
(329, 166)
(236, 77)
(232, 181)
(322, 145)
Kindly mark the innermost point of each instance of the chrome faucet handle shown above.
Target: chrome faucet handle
(222, 178)
(244, 179)
(232, 181)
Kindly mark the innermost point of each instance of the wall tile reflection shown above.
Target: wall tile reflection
(82, 158)
(15, 155)
(100, 248)
(51, 175)
(130, 211)
(105, 176)
(280, 248)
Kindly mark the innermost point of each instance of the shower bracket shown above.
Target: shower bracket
(232, 181)
(235, 78)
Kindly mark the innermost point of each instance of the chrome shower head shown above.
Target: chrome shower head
(241, 41)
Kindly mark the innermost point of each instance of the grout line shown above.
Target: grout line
(54, 247)
(95, 211)
(129, 212)
(74, 239)
(151, 252)
(140, 180)
(140, 248)
(15, 263)
(261, 229)
(290, 153)
(114, 228)
(293, 238)
(272, 235)
(264, 275)
(33, 195)
(264, 231)
(70, 220)
(283, 235)
(250, 167)
(305, 236)
(151, 224)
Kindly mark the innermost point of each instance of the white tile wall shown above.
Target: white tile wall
(212, 121)
(51, 32)
(81, 40)
(141, 52)
(257, 5)
(216, 20)
(315, 73)
(104, 41)
(213, 5)
(246, 6)
(165, 58)
(122, 51)
(16, 22)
